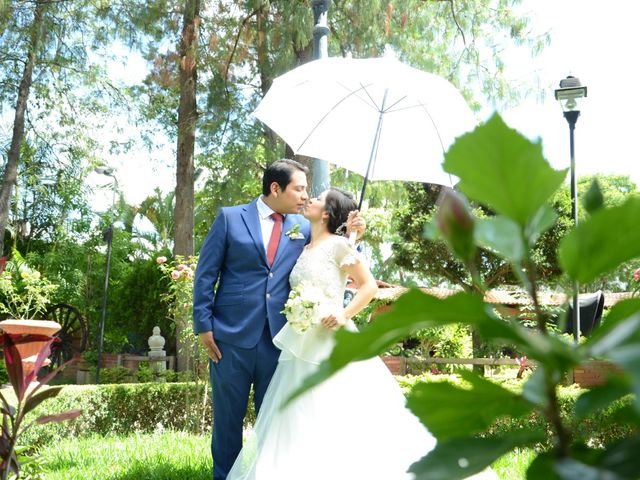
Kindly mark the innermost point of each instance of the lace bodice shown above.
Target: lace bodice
(319, 267)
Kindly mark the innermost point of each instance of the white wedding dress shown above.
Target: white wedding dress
(353, 426)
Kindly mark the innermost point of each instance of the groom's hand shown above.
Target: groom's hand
(209, 344)
(356, 223)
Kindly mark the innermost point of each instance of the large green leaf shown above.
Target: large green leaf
(449, 411)
(502, 235)
(601, 396)
(413, 311)
(602, 242)
(459, 458)
(416, 310)
(499, 167)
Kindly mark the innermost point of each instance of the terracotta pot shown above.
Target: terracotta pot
(593, 373)
(395, 364)
(29, 351)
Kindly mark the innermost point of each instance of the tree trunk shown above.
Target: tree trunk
(13, 157)
(187, 116)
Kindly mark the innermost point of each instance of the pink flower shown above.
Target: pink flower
(182, 266)
(522, 361)
(175, 274)
(161, 260)
(636, 275)
(188, 273)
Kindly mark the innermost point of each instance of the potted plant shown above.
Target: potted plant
(24, 295)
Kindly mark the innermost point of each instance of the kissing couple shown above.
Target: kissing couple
(254, 256)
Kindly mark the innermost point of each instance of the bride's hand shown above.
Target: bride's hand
(333, 322)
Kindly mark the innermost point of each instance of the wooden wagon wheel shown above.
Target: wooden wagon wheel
(73, 335)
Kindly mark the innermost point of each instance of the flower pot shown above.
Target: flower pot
(29, 351)
(593, 373)
(395, 364)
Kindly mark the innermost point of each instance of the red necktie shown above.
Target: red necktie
(272, 248)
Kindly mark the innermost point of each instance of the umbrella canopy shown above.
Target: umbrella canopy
(378, 117)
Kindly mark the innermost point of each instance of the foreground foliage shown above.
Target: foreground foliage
(516, 183)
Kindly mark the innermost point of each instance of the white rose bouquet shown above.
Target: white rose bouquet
(304, 308)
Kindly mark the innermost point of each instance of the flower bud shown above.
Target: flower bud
(456, 225)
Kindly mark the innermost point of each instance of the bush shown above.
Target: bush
(602, 428)
(127, 408)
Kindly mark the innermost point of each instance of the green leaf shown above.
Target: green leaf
(593, 199)
(502, 235)
(499, 167)
(430, 231)
(602, 242)
(542, 467)
(449, 411)
(542, 221)
(622, 458)
(601, 396)
(535, 388)
(413, 311)
(459, 458)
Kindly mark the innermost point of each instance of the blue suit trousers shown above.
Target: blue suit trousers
(231, 381)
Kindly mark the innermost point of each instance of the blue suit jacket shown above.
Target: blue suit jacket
(249, 292)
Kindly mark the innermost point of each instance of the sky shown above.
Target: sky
(593, 41)
(597, 43)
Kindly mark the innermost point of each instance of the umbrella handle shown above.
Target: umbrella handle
(352, 238)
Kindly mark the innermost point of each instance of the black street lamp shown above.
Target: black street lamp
(569, 93)
(108, 237)
(320, 168)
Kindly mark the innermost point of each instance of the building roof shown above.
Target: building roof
(502, 297)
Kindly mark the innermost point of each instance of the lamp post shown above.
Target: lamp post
(320, 168)
(108, 237)
(569, 93)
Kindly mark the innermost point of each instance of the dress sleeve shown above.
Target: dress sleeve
(346, 254)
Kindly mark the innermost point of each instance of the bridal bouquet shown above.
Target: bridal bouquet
(304, 308)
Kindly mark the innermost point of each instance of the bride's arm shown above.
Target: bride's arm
(365, 293)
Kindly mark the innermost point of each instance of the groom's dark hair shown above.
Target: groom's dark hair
(338, 203)
(281, 172)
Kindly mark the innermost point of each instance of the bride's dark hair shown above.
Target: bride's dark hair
(338, 203)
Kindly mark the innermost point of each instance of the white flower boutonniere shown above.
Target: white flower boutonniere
(294, 233)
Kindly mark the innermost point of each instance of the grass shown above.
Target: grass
(166, 456)
(171, 456)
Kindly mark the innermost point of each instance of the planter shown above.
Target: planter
(396, 364)
(594, 372)
(29, 351)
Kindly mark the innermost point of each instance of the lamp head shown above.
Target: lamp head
(569, 93)
(108, 171)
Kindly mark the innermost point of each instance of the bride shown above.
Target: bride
(353, 426)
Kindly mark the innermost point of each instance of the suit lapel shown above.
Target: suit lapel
(252, 222)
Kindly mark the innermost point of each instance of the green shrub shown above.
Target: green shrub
(604, 427)
(123, 409)
(4, 376)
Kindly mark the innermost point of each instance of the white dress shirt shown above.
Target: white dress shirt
(266, 222)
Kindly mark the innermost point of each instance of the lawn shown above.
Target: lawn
(166, 456)
(169, 456)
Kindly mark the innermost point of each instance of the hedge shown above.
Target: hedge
(153, 407)
(126, 408)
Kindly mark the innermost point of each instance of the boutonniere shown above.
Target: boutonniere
(294, 233)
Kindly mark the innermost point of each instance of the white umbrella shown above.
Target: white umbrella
(378, 117)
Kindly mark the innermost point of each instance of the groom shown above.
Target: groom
(249, 252)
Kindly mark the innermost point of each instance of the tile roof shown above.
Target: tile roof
(503, 297)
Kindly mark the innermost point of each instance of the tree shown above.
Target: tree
(436, 264)
(13, 156)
